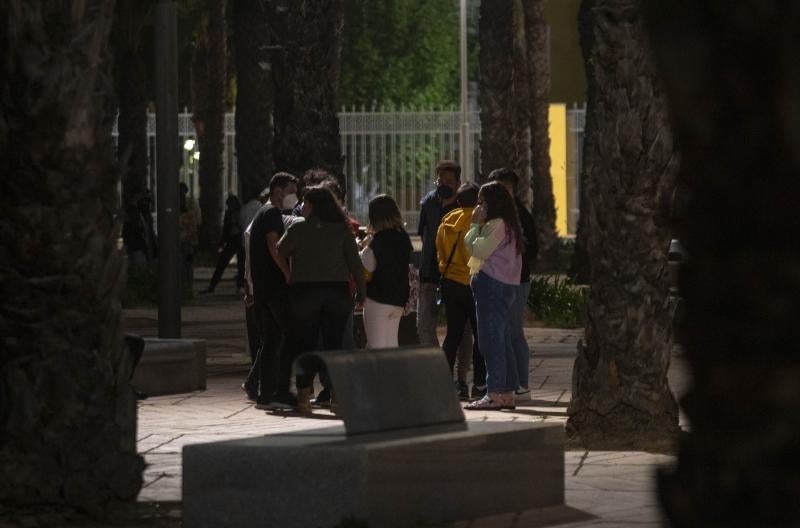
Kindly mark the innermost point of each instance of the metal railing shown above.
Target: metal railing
(385, 151)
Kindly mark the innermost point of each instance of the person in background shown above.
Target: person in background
(269, 275)
(322, 255)
(138, 234)
(494, 241)
(434, 205)
(516, 324)
(456, 293)
(312, 177)
(386, 254)
(246, 215)
(189, 221)
(231, 244)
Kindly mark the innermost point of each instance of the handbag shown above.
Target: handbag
(439, 297)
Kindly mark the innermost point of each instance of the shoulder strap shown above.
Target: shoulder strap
(453, 252)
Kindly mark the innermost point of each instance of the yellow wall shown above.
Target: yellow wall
(558, 163)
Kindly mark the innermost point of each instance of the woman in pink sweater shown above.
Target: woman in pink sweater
(495, 242)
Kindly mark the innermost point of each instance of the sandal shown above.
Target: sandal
(493, 401)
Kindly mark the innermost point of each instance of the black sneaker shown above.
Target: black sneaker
(251, 394)
(286, 402)
(323, 399)
(462, 389)
(263, 404)
(478, 391)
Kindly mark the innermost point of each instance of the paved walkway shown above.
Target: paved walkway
(602, 488)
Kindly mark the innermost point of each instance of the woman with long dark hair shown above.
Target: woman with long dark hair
(386, 254)
(322, 255)
(495, 243)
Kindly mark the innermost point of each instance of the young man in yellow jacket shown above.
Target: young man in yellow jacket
(456, 292)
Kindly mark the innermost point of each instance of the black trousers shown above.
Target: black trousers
(318, 309)
(253, 344)
(231, 248)
(273, 364)
(460, 307)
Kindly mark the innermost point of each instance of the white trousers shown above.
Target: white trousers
(381, 324)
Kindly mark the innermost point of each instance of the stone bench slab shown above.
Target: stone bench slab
(315, 479)
(171, 366)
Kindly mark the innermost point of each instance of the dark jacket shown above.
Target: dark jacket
(389, 283)
(531, 249)
(430, 216)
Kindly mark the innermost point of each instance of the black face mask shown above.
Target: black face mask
(444, 192)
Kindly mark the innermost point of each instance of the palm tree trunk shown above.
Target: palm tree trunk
(734, 103)
(130, 79)
(209, 74)
(68, 413)
(306, 86)
(580, 266)
(621, 398)
(521, 104)
(496, 78)
(254, 96)
(544, 206)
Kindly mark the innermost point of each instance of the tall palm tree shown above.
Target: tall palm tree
(734, 101)
(496, 78)
(621, 398)
(308, 34)
(67, 410)
(544, 208)
(254, 96)
(131, 81)
(209, 83)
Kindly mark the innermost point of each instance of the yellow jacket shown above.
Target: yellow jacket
(452, 229)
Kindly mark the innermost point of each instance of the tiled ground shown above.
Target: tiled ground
(602, 488)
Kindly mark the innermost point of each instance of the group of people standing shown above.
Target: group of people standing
(308, 266)
(477, 247)
(306, 270)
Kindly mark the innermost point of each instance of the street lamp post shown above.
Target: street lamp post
(166, 88)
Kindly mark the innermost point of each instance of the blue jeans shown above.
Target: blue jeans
(516, 335)
(493, 300)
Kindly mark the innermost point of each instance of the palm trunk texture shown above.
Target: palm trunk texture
(621, 398)
(544, 204)
(130, 79)
(67, 409)
(496, 78)
(306, 86)
(254, 96)
(733, 80)
(208, 100)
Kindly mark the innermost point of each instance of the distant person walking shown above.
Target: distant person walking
(386, 255)
(322, 255)
(495, 243)
(456, 292)
(516, 322)
(188, 221)
(230, 244)
(269, 276)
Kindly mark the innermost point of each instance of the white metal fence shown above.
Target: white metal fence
(389, 151)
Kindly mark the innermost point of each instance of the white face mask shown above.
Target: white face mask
(289, 201)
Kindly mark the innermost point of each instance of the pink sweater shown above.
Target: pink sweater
(493, 251)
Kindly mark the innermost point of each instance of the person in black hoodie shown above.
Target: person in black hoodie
(386, 254)
(230, 245)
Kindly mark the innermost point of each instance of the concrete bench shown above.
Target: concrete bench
(171, 366)
(404, 456)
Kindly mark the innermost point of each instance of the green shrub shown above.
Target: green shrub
(556, 301)
(140, 290)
